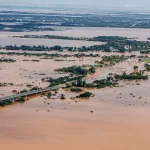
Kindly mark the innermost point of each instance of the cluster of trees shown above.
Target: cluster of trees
(32, 89)
(96, 84)
(118, 44)
(114, 58)
(79, 55)
(49, 95)
(108, 38)
(131, 76)
(50, 56)
(76, 82)
(7, 60)
(62, 97)
(78, 70)
(33, 48)
(135, 68)
(111, 60)
(32, 60)
(63, 80)
(9, 102)
(24, 91)
(145, 52)
(84, 95)
(51, 37)
(45, 55)
(4, 103)
(147, 66)
(114, 42)
(98, 38)
(79, 83)
(104, 83)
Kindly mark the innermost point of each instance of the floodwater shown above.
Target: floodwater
(139, 34)
(5, 39)
(21, 73)
(114, 119)
(46, 42)
(114, 124)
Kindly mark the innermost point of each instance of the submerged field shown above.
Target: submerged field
(106, 100)
(115, 118)
(5, 37)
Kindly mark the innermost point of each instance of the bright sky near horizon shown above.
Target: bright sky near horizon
(111, 4)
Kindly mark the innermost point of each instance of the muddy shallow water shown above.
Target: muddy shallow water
(70, 125)
(111, 120)
(139, 34)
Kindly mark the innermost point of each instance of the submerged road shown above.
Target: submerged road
(17, 96)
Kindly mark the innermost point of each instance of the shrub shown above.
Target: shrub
(76, 90)
(84, 95)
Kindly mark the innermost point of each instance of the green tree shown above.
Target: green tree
(49, 94)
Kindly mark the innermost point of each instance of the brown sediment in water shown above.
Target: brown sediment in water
(102, 122)
(108, 127)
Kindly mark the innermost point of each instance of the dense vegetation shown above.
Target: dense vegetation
(111, 60)
(84, 95)
(145, 52)
(50, 56)
(147, 66)
(49, 94)
(108, 38)
(131, 76)
(113, 44)
(78, 70)
(99, 38)
(7, 102)
(7, 60)
(33, 48)
(109, 82)
(62, 80)
(50, 37)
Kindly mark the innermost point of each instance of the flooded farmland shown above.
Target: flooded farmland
(115, 118)
(65, 124)
(139, 34)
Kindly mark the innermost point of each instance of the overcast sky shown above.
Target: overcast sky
(108, 4)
